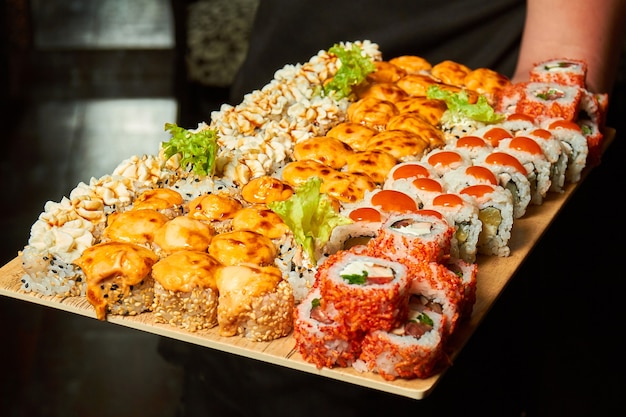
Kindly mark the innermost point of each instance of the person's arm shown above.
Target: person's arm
(588, 30)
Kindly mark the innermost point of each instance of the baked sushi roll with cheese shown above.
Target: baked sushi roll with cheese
(119, 278)
(410, 238)
(254, 301)
(182, 233)
(320, 336)
(368, 292)
(185, 291)
(495, 211)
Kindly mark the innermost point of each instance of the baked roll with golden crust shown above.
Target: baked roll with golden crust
(353, 134)
(327, 150)
(372, 112)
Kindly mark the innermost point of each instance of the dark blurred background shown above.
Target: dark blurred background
(89, 83)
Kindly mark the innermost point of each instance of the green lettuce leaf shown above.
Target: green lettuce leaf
(197, 150)
(310, 216)
(355, 66)
(460, 107)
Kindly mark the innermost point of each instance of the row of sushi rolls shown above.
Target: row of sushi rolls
(345, 204)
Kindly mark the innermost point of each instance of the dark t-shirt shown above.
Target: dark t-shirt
(476, 33)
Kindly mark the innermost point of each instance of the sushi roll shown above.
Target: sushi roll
(549, 100)
(412, 238)
(574, 144)
(512, 175)
(185, 291)
(444, 160)
(571, 72)
(401, 175)
(464, 215)
(440, 289)
(368, 292)
(553, 150)
(467, 273)
(462, 177)
(119, 278)
(531, 155)
(415, 349)
(320, 337)
(495, 211)
(471, 147)
(426, 189)
(254, 301)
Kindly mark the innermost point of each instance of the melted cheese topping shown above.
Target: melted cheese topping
(158, 199)
(371, 112)
(382, 91)
(265, 189)
(242, 246)
(186, 270)
(213, 207)
(416, 124)
(134, 226)
(125, 264)
(487, 82)
(261, 220)
(325, 149)
(356, 135)
(386, 72)
(411, 64)
(430, 109)
(399, 143)
(375, 164)
(450, 72)
(183, 233)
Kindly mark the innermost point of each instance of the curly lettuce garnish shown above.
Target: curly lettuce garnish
(355, 66)
(459, 106)
(310, 216)
(198, 150)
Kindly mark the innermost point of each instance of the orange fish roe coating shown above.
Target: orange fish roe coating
(393, 356)
(396, 241)
(320, 338)
(378, 303)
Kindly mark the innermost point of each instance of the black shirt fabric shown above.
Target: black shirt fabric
(476, 33)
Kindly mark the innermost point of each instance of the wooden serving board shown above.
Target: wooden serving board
(493, 275)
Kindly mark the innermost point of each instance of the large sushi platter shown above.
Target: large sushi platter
(363, 275)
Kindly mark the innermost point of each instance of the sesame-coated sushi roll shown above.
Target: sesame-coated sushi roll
(531, 155)
(564, 71)
(254, 301)
(461, 212)
(413, 350)
(320, 338)
(423, 236)
(511, 175)
(368, 292)
(495, 211)
(185, 292)
(119, 278)
(574, 145)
